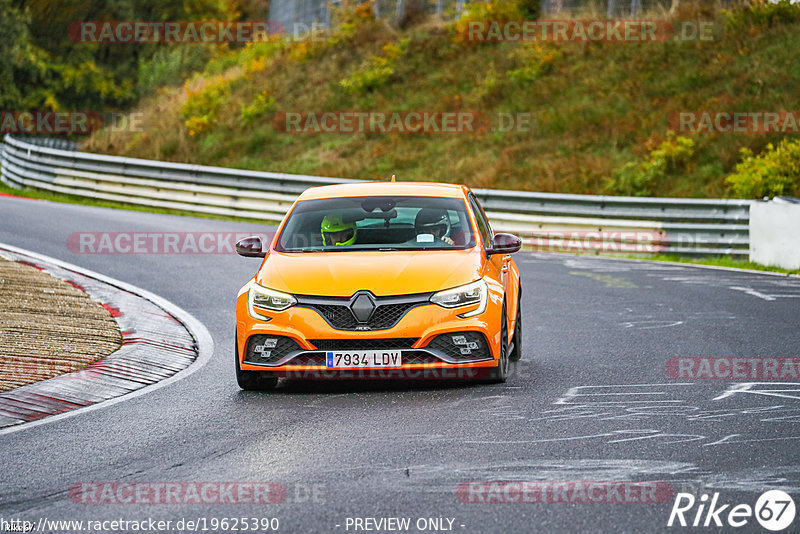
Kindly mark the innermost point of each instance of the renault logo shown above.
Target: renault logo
(362, 306)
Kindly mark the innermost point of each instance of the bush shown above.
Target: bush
(262, 104)
(530, 9)
(774, 172)
(170, 65)
(641, 179)
(536, 61)
(763, 14)
(377, 71)
(501, 10)
(202, 105)
(352, 25)
(351, 15)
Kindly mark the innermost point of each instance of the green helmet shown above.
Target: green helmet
(337, 232)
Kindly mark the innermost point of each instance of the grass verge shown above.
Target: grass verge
(600, 112)
(716, 261)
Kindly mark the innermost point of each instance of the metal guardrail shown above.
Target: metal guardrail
(48, 142)
(546, 221)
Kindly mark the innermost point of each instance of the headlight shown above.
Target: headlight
(473, 293)
(268, 299)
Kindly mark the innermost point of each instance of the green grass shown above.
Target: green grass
(717, 261)
(84, 201)
(596, 106)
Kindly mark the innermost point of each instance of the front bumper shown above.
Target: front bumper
(421, 336)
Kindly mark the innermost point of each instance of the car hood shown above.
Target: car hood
(383, 273)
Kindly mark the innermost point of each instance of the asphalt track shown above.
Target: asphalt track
(590, 401)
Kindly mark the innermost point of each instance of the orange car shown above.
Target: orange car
(380, 280)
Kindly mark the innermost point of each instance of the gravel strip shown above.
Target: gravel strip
(48, 327)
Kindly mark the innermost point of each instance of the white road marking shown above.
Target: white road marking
(659, 434)
(573, 395)
(752, 292)
(748, 387)
(650, 324)
(661, 402)
(723, 440)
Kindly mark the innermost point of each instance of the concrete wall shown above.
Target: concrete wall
(775, 234)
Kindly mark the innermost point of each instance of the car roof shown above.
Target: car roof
(379, 189)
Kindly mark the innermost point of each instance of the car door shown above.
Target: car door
(500, 263)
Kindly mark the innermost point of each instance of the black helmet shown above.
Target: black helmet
(430, 219)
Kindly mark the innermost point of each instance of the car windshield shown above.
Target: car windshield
(377, 223)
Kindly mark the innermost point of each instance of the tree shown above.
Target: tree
(42, 68)
(12, 50)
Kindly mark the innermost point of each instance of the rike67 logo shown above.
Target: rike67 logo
(774, 510)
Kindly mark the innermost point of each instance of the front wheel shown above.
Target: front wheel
(499, 374)
(253, 380)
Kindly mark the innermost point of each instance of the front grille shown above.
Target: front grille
(388, 315)
(364, 344)
(464, 346)
(384, 317)
(339, 317)
(267, 353)
(388, 310)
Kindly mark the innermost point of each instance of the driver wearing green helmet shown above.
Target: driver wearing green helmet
(337, 232)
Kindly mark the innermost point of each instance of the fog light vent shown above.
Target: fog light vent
(269, 349)
(268, 343)
(468, 346)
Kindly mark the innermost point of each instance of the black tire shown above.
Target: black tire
(499, 374)
(516, 353)
(253, 380)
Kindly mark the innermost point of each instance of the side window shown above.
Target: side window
(480, 219)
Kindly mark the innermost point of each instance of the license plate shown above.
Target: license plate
(363, 358)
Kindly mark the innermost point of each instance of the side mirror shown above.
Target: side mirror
(504, 244)
(250, 247)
